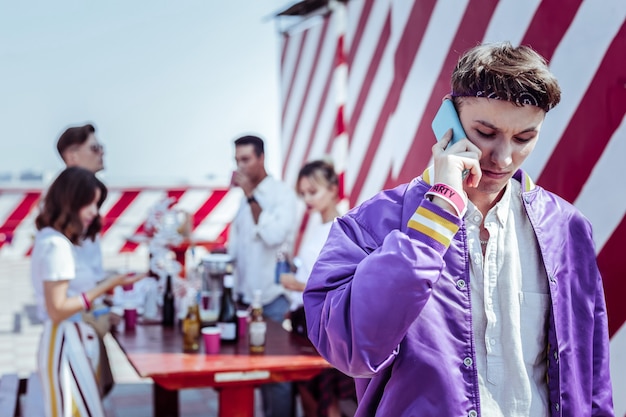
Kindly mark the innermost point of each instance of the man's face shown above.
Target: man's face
(248, 163)
(89, 155)
(505, 133)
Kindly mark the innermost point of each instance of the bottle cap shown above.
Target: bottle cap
(256, 298)
(229, 281)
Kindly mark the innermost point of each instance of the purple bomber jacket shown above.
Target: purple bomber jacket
(388, 303)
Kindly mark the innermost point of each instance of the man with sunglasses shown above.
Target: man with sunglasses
(78, 146)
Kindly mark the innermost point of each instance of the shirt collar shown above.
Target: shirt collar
(502, 207)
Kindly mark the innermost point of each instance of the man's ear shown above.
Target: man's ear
(69, 157)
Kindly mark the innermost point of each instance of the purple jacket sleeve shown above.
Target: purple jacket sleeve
(602, 396)
(371, 280)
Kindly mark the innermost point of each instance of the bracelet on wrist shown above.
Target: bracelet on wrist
(450, 195)
(85, 301)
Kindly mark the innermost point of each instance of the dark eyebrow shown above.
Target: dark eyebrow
(532, 129)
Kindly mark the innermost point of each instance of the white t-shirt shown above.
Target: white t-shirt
(312, 243)
(55, 258)
(88, 258)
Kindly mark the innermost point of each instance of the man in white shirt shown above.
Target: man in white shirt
(264, 224)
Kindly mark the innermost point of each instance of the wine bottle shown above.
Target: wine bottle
(168, 304)
(191, 329)
(227, 319)
(257, 327)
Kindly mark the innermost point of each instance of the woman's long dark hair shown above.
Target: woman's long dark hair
(72, 190)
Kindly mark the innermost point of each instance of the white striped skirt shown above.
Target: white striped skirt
(68, 368)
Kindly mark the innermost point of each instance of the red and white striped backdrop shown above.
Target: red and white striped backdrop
(124, 211)
(399, 56)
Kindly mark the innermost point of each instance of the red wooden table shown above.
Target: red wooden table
(156, 352)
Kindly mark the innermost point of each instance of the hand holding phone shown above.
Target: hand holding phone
(447, 118)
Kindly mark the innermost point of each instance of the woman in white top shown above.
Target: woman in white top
(318, 186)
(69, 349)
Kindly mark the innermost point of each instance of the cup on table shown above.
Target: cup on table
(211, 338)
(205, 297)
(130, 318)
(242, 322)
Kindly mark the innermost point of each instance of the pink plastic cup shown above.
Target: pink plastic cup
(130, 319)
(211, 337)
(242, 319)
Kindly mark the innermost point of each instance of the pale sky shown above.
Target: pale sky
(168, 84)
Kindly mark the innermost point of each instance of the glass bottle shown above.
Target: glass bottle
(227, 319)
(168, 303)
(191, 329)
(257, 328)
(282, 264)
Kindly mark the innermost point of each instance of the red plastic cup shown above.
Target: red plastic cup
(233, 182)
(130, 319)
(242, 319)
(211, 338)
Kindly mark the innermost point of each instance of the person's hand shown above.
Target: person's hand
(127, 279)
(289, 281)
(241, 180)
(451, 161)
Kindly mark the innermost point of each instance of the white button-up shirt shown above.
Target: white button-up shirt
(254, 245)
(510, 304)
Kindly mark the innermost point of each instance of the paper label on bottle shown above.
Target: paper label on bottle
(257, 333)
(228, 331)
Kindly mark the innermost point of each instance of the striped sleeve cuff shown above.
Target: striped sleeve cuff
(433, 225)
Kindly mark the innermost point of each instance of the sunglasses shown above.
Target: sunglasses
(96, 148)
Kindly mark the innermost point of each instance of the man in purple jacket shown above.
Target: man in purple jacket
(469, 291)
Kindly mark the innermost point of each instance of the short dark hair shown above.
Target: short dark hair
(72, 190)
(255, 141)
(76, 135)
(506, 72)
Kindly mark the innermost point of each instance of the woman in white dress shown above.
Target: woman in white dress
(318, 186)
(69, 349)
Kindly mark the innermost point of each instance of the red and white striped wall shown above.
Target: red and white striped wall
(399, 55)
(124, 213)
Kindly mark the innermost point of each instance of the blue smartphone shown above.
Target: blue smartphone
(447, 118)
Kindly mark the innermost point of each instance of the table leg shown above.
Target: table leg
(236, 401)
(165, 401)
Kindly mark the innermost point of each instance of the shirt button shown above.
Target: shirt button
(468, 362)
(472, 413)
(492, 341)
(476, 218)
(460, 283)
